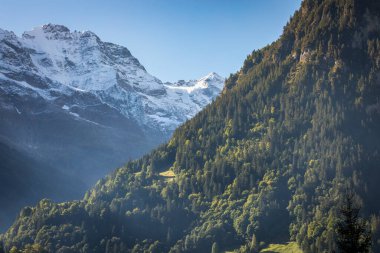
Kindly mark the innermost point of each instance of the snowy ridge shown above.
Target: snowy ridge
(52, 61)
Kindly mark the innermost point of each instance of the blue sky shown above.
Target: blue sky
(173, 39)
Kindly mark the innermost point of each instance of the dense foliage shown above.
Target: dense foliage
(268, 161)
(353, 234)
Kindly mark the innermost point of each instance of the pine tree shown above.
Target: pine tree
(353, 235)
(214, 248)
(253, 245)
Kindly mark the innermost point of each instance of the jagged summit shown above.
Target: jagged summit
(213, 79)
(82, 62)
(55, 28)
(208, 86)
(6, 34)
(210, 77)
(58, 28)
(59, 32)
(213, 75)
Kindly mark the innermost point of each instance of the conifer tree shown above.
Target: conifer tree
(353, 235)
(253, 245)
(214, 248)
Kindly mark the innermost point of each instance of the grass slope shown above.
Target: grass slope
(291, 247)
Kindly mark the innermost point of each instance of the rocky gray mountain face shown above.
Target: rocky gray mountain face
(77, 107)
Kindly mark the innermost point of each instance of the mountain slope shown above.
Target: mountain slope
(269, 161)
(81, 107)
(24, 182)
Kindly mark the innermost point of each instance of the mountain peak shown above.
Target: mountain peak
(3, 33)
(55, 28)
(77, 61)
(57, 32)
(48, 28)
(48, 31)
(212, 76)
(211, 83)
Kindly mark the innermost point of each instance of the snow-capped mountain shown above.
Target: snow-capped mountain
(85, 106)
(79, 62)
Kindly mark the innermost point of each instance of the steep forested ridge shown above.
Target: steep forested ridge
(268, 161)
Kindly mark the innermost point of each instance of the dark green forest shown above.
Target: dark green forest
(269, 161)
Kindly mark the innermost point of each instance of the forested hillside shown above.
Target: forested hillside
(268, 162)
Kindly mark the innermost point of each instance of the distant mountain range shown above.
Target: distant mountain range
(82, 107)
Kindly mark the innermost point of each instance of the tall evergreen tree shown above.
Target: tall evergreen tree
(215, 248)
(353, 236)
(253, 246)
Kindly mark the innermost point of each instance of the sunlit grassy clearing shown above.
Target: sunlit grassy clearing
(291, 247)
